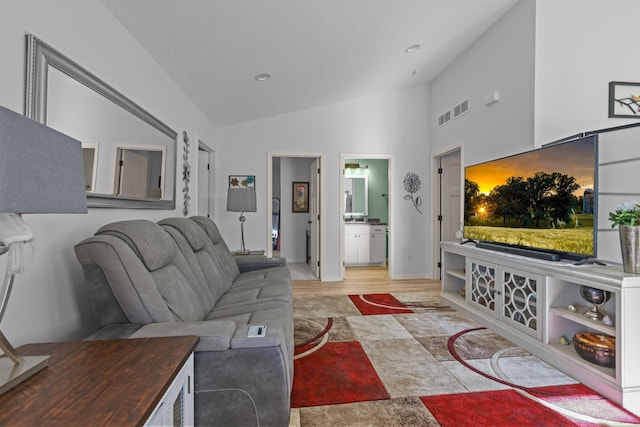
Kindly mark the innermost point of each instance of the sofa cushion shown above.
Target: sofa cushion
(217, 248)
(246, 288)
(173, 280)
(161, 295)
(206, 278)
(215, 335)
(189, 229)
(146, 238)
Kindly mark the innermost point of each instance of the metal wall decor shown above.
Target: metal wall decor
(186, 174)
(411, 184)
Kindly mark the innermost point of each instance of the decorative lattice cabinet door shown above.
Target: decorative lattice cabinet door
(520, 300)
(482, 285)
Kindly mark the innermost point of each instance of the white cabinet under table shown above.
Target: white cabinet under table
(365, 244)
(526, 300)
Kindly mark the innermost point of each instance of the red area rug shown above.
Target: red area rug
(373, 304)
(509, 408)
(339, 372)
(491, 408)
(336, 384)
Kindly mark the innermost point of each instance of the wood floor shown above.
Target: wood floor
(360, 280)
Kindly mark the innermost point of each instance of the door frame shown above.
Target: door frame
(364, 156)
(202, 146)
(311, 155)
(436, 198)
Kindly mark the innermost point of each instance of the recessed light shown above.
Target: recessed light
(412, 48)
(263, 77)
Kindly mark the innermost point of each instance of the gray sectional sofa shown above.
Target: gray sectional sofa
(178, 277)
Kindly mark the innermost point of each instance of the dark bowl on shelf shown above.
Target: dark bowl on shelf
(596, 348)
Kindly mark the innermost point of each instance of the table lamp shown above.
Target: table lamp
(41, 171)
(241, 200)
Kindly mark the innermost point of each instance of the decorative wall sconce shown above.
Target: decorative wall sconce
(412, 183)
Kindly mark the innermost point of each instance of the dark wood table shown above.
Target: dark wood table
(96, 383)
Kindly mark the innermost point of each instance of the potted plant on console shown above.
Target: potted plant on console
(627, 218)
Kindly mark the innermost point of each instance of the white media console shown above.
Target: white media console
(527, 301)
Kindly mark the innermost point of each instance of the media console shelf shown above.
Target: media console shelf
(527, 301)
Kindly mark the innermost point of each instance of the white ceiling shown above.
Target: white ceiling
(318, 52)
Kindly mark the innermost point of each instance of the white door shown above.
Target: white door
(451, 189)
(378, 245)
(133, 174)
(314, 212)
(204, 180)
(350, 247)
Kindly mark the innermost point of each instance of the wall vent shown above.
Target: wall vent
(461, 108)
(444, 118)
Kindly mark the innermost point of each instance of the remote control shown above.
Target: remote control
(256, 331)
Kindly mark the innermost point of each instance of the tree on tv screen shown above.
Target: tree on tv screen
(544, 200)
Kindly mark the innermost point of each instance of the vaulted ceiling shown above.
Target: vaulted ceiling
(317, 52)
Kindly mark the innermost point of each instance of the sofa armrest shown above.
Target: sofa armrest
(215, 335)
(258, 262)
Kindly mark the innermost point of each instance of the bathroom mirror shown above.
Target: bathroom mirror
(66, 97)
(356, 193)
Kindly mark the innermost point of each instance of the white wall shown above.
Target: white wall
(582, 45)
(49, 301)
(501, 60)
(394, 123)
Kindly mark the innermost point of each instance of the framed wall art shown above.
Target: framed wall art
(624, 99)
(242, 181)
(300, 202)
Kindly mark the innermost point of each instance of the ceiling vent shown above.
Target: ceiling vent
(461, 108)
(444, 118)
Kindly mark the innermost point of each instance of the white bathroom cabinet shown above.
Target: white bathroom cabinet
(365, 244)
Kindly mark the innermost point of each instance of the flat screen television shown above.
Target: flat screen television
(540, 203)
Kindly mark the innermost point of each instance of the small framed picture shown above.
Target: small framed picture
(242, 181)
(624, 99)
(300, 202)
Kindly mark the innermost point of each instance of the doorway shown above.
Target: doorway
(205, 180)
(365, 214)
(294, 190)
(448, 201)
(140, 172)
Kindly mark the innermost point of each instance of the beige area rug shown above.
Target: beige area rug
(406, 345)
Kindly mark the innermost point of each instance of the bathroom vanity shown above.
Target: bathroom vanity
(365, 243)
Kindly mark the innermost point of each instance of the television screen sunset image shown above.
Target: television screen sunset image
(540, 199)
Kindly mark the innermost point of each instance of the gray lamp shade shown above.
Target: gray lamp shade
(41, 169)
(241, 200)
